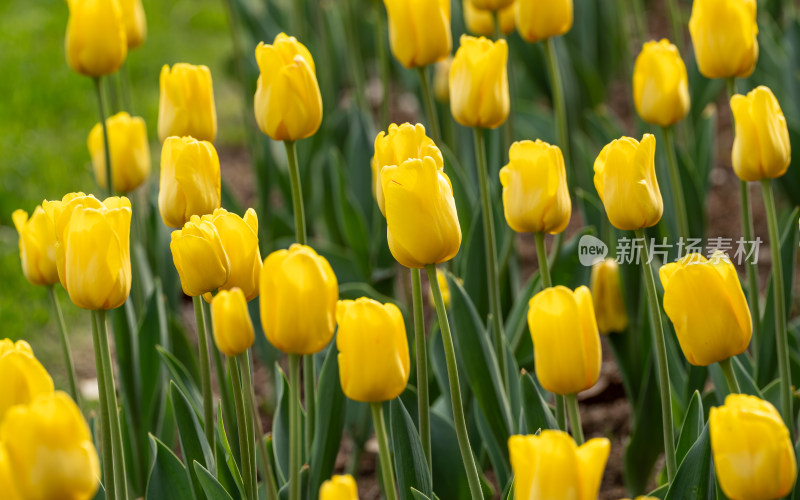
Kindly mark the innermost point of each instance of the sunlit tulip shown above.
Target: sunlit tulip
(288, 103)
(96, 43)
(239, 236)
(37, 243)
(481, 22)
(761, 147)
(724, 37)
(8, 345)
(441, 80)
(186, 105)
(373, 350)
(550, 465)
(339, 488)
(199, 257)
(130, 152)
(753, 452)
(233, 329)
(479, 83)
(609, 308)
(7, 482)
(491, 4)
(660, 84)
(298, 300)
(23, 377)
(135, 22)
(419, 31)
(190, 180)
(540, 19)
(625, 179)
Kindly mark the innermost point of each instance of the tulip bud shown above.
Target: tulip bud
(609, 307)
(479, 83)
(288, 104)
(540, 19)
(761, 147)
(421, 218)
(419, 31)
(50, 450)
(186, 106)
(96, 44)
(724, 37)
(535, 193)
(339, 488)
(373, 350)
(190, 180)
(480, 22)
(752, 449)
(566, 343)
(7, 483)
(441, 80)
(625, 179)
(93, 250)
(233, 329)
(199, 257)
(135, 22)
(24, 378)
(491, 4)
(239, 236)
(550, 465)
(298, 300)
(130, 152)
(37, 243)
(660, 84)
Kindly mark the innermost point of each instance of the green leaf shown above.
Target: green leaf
(180, 377)
(410, 464)
(194, 446)
(516, 324)
(280, 427)
(210, 485)
(537, 413)
(233, 468)
(646, 442)
(692, 426)
(449, 476)
(694, 480)
(168, 476)
(418, 495)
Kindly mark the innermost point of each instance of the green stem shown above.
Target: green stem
(541, 255)
(297, 193)
(661, 355)
(105, 424)
(98, 89)
(561, 412)
(245, 431)
(383, 59)
(455, 389)
(294, 427)
(269, 480)
(560, 106)
(205, 371)
(574, 418)
(65, 350)
(390, 488)
(228, 405)
(423, 402)
(310, 399)
(430, 106)
(730, 376)
(679, 201)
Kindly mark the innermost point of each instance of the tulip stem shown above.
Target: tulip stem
(574, 418)
(244, 430)
(557, 88)
(387, 471)
(65, 350)
(105, 424)
(678, 199)
(294, 426)
(430, 106)
(297, 193)
(98, 89)
(205, 371)
(730, 376)
(423, 402)
(455, 389)
(229, 412)
(541, 255)
(268, 478)
(661, 355)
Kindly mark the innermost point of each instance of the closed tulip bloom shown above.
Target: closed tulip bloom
(190, 180)
(421, 218)
(96, 44)
(298, 300)
(233, 329)
(441, 80)
(724, 37)
(199, 257)
(535, 193)
(24, 379)
(419, 31)
(550, 465)
(609, 308)
(93, 250)
(339, 488)
(135, 22)
(479, 83)
(7, 483)
(288, 104)
(753, 453)
(186, 105)
(50, 450)
(540, 19)
(130, 152)
(761, 146)
(693, 286)
(373, 350)
(566, 343)
(481, 22)
(625, 179)
(660, 84)
(37, 244)
(239, 236)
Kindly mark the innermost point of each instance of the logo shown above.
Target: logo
(591, 250)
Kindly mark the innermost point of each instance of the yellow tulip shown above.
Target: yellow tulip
(625, 179)
(288, 104)
(550, 465)
(441, 80)
(233, 329)
(535, 192)
(239, 236)
(37, 243)
(93, 250)
(491, 4)
(540, 19)
(373, 350)
(421, 218)
(135, 22)
(419, 31)
(199, 257)
(660, 84)
(609, 307)
(693, 286)
(479, 83)
(753, 453)
(298, 300)
(339, 488)
(50, 450)
(7, 483)
(724, 37)
(8, 345)
(96, 44)
(566, 343)
(481, 22)
(190, 180)
(24, 379)
(130, 152)
(186, 105)
(761, 147)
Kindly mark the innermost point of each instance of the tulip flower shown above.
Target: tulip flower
(24, 378)
(135, 22)
(535, 193)
(96, 43)
(190, 180)
(239, 236)
(761, 146)
(609, 307)
(441, 80)
(479, 83)
(419, 31)
(298, 300)
(233, 329)
(550, 465)
(660, 84)
(7, 345)
(130, 152)
(339, 488)
(37, 243)
(724, 37)
(491, 4)
(481, 22)
(199, 257)
(186, 105)
(566, 341)
(625, 179)
(542, 19)
(93, 250)
(50, 450)
(288, 104)
(752, 449)
(7, 482)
